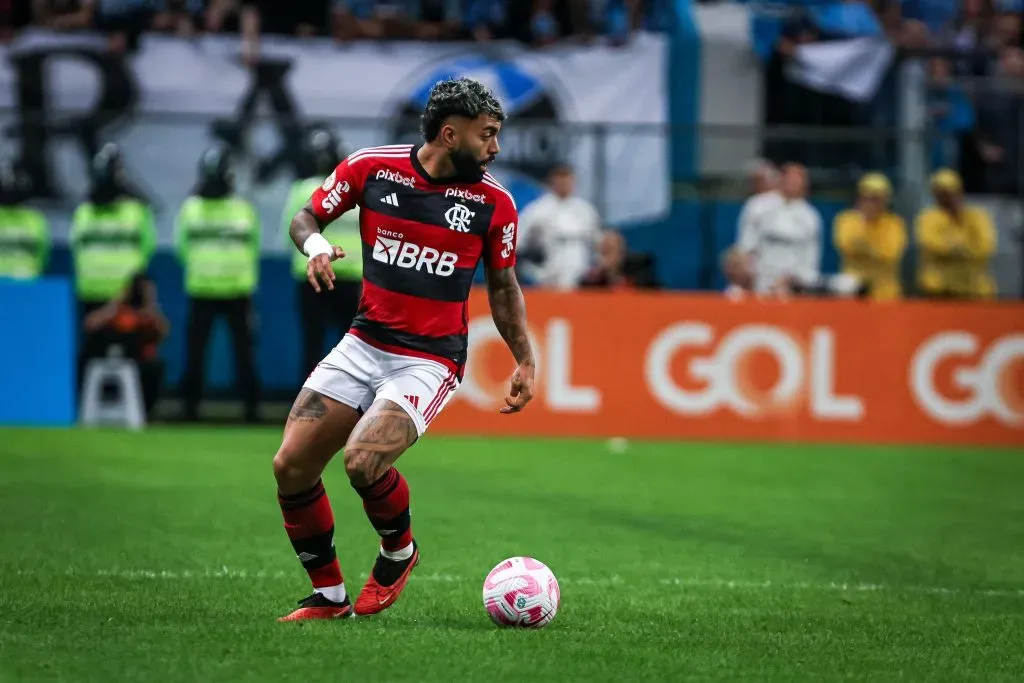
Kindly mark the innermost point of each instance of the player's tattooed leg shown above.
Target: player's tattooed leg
(309, 406)
(317, 428)
(379, 438)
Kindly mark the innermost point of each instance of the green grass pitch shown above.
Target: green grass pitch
(161, 557)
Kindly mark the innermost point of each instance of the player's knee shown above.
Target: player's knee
(362, 466)
(289, 472)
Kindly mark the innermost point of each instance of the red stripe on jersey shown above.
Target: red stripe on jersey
(414, 314)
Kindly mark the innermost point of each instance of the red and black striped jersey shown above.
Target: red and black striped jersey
(422, 241)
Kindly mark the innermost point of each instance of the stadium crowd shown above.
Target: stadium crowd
(537, 22)
(974, 57)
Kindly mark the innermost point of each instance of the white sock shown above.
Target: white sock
(397, 555)
(333, 593)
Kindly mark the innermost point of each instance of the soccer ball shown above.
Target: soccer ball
(521, 592)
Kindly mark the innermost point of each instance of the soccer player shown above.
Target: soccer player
(428, 214)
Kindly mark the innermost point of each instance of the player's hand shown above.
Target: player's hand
(520, 389)
(318, 269)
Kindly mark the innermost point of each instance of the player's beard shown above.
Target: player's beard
(467, 166)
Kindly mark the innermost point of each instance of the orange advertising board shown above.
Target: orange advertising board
(668, 365)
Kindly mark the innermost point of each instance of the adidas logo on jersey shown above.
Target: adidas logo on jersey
(391, 199)
(401, 254)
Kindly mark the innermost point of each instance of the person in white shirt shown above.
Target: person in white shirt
(737, 266)
(563, 228)
(780, 234)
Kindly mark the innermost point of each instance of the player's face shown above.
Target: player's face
(475, 146)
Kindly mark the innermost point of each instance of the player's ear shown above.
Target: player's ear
(448, 135)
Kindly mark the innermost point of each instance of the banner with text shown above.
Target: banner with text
(694, 367)
(64, 95)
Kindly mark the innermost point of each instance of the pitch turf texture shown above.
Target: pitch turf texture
(161, 557)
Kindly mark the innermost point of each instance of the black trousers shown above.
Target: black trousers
(239, 315)
(322, 311)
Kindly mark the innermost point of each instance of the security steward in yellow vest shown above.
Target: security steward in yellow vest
(217, 238)
(24, 233)
(330, 308)
(112, 234)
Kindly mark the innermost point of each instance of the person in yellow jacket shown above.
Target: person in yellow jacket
(871, 239)
(955, 242)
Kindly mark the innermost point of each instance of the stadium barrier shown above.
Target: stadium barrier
(37, 352)
(666, 365)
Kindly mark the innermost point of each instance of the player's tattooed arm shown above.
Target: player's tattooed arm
(508, 309)
(318, 270)
(303, 225)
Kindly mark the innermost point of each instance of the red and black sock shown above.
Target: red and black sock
(386, 502)
(309, 521)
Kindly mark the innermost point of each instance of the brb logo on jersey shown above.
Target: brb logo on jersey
(458, 217)
(392, 249)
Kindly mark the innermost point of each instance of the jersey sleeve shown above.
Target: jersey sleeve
(340, 191)
(500, 249)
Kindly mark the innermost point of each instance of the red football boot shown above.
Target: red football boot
(386, 582)
(316, 606)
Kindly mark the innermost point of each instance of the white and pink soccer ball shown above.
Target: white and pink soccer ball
(521, 592)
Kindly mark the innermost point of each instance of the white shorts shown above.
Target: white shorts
(356, 374)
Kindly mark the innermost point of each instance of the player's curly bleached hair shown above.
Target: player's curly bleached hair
(457, 97)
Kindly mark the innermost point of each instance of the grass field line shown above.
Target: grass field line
(226, 573)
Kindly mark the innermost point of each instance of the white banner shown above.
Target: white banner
(853, 68)
(181, 88)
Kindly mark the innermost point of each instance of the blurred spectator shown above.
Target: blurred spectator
(63, 15)
(780, 234)
(955, 243)
(181, 17)
(562, 229)
(24, 232)
(738, 267)
(132, 321)
(951, 112)
(123, 20)
(396, 19)
(871, 239)
(112, 234)
(218, 240)
(968, 31)
(486, 19)
(617, 268)
(330, 308)
(999, 134)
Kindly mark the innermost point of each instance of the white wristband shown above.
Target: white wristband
(317, 244)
